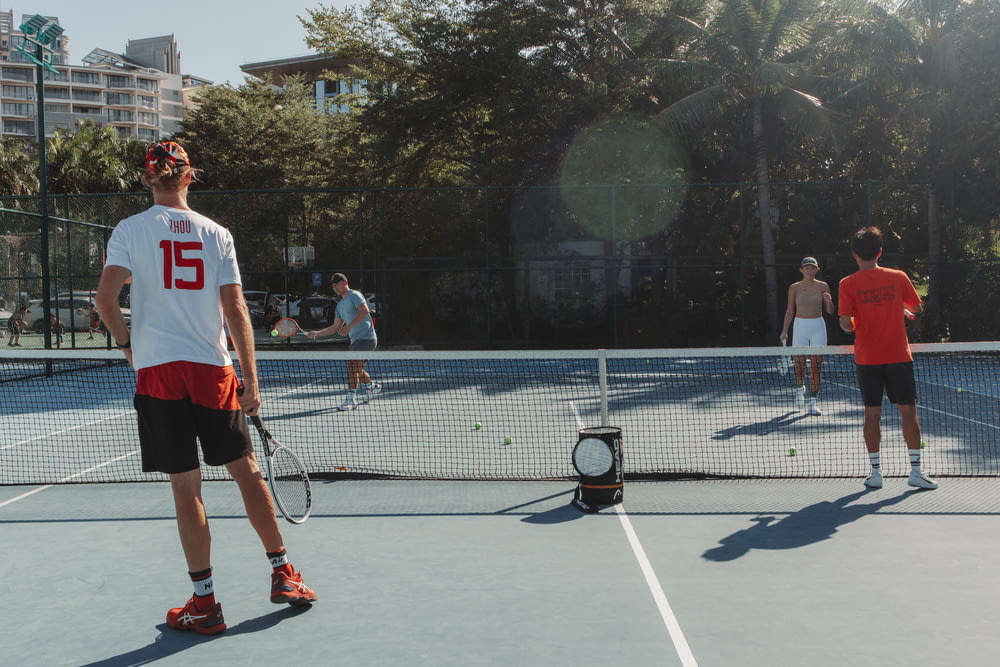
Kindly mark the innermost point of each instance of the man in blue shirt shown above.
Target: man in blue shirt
(354, 320)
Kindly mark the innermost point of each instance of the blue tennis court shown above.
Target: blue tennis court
(711, 573)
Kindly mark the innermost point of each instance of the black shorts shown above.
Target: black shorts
(182, 403)
(895, 380)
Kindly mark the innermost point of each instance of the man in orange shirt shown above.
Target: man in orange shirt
(874, 302)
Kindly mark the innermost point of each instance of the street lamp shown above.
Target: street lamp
(42, 33)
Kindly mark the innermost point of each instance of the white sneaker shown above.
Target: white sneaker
(800, 398)
(875, 480)
(813, 410)
(373, 388)
(349, 403)
(920, 480)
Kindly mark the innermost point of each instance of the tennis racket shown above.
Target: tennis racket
(286, 327)
(785, 363)
(286, 476)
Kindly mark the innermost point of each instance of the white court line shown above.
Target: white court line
(68, 478)
(666, 612)
(66, 430)
(927, 408)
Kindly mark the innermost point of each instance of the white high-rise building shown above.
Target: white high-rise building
(141, 93)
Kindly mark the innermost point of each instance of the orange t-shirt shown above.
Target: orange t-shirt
(875, 298)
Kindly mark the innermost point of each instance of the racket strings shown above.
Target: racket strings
(290, 483)
(286, 327)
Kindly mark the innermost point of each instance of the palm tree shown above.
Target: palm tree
(751, 62)
(911, 58)
(17, 168)
(91, 159)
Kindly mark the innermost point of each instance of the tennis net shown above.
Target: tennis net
(688, 413)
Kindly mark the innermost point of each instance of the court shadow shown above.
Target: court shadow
(560, 514)
(171, 642)
(760, 428)
(809, 525)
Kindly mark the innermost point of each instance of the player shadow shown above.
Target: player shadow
(171, 642)
(760, 428)
(809, 525)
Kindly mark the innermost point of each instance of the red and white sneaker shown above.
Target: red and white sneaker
(204, 622)
(287, 587)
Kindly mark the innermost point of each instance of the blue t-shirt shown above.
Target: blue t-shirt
(347, 310)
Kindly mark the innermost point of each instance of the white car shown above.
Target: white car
(73, 312)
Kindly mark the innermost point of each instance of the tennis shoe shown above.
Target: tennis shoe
(875, 480)
(189, 617)
(921, 481)
(813, 410)
(349, 403)
(373, 388)
(287, 587)
(800, 398)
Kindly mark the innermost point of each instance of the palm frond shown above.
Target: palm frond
(694, 109)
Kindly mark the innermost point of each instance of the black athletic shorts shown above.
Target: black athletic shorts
(895, 380)
(182, 403)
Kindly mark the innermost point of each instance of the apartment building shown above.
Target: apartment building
(313, 70)
(140, 93)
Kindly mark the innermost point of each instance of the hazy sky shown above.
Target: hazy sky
(214, 37)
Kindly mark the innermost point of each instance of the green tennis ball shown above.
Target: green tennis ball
(960, 390)
(922, 444)
(507, 440)
(274, 332)
(792, 451)
(477, 426)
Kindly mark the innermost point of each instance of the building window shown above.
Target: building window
(86, 111)
(54, 76)
(120, 116)
(118, 99)
(19, 92)
(148, 102)
(116, 81)
(85, 95)
(57, 93)
(150, 85)
(18, 74)
(148, 118)
(56, 108)
(19, 127)
(13, 109)
(87, 77)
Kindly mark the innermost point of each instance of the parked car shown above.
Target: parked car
(315, 311)
(257, 304)
(73, 313)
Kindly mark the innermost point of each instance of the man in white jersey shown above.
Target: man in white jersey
(185, 287)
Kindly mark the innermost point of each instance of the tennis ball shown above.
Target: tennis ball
(960, 390)
(477, 426)
(922, 444)
(792, 451)
(274, 332)
(507, 440)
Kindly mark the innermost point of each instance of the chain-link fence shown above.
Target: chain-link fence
(584, 266)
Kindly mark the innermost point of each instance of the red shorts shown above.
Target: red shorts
(182, 403)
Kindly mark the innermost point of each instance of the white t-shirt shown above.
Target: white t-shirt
(179, 260)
